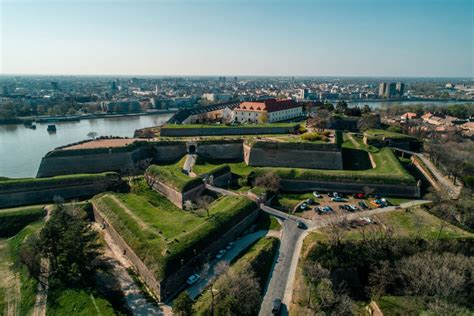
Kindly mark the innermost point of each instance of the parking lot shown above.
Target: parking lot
(311, 210)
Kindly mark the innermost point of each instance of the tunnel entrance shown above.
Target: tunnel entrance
(192, 149)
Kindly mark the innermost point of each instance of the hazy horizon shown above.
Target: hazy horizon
(341, 38)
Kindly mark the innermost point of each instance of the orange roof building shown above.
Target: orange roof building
(270, 111)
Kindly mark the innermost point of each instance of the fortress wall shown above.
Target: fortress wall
(295, 158)
(177, 281)
(142, 270)
(94, 163)
(223, 151)
(220, 131)
(29, 196)
(169, 152)
(223, 180)
(350, 187)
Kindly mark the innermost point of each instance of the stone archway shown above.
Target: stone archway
(192, 148)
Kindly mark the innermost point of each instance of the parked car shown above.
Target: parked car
(328, 209)
(317, 195)
(363, 205)
(353, 207)
(229, 246)
(276, 306)
(300, 224)
(359, 196)
(338, 199)
(193, 279)
(220, 254)
(303, 206)
(342, 207)
(310, 201)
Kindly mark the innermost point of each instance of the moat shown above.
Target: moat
(21, 148)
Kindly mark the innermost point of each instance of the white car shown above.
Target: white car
(229, 246)
(317, 195)
(193, 279)
(220, 254)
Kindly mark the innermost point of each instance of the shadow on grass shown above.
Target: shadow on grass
(355, 159)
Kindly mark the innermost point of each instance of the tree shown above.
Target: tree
(30, 256)
(314, 272)
(7, 111)
(92, 135)
(204, 202)
(70, 244)
(341, 106)
(321, 120)
(183, 305)
(366, 109)
(367, 122)
(269, 181)
(379, 279)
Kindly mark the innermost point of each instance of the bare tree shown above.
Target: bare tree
(269, 181)
(204, 202)
(92, 135)
(379, 279)
(314, 272)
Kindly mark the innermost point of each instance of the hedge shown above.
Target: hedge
(219, 171)
(14, 220)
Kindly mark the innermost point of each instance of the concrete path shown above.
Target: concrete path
(220, 190)
(453, 190)
(189, 163)
(135, 300)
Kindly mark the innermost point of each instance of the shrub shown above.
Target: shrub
(311, 136)
(14, 220)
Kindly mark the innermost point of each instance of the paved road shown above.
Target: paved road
(220, 190)
(189, 163)
(453, 190)
(239, 246)
(283, 274)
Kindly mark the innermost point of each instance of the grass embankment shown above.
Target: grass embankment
(172, 174)
(161, 234)
(258, 258)
(26, 183)
(267, 222)
(16, 286)
(14, 219)
(379, 134)
(205, 166)
(77, 302)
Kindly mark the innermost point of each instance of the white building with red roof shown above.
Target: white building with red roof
(267, 111)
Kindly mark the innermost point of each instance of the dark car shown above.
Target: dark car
(276, 306)
(300, 224)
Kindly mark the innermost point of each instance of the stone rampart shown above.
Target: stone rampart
(293, 155)
(46, 193)
(230, 150)
(142, 270)
(350, 187)
(221, 131)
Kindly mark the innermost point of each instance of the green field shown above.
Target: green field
(172, 174)
(14, 219)
(163, 235)
(380, 134)
(238, 168)
(77, 302)
(259, 257)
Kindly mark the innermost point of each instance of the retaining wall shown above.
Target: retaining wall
(147, 276)
(350, 187)
(45, 194)
(223, 151)
(293, 155)
(221, 131)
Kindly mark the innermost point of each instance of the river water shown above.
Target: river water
(21, 149)
(384, 104)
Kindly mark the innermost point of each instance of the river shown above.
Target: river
(383, 104)
(21, 149)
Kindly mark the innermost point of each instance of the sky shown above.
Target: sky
(429, 38)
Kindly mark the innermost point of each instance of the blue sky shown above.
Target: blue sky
(254, 37)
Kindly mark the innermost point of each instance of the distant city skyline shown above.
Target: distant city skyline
(366, 38)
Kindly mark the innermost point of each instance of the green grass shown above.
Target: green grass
(400, 305)
(65, 179)
(238, 168)
(380, 133)
(172, 174)
(14, 219)
(9, 255)
(171, 235)
(259, 257)
(267, 222)
(255, 126)
(77, 302)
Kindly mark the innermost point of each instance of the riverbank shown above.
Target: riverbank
(76, 118)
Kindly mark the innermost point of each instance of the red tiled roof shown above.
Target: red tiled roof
(270, 105)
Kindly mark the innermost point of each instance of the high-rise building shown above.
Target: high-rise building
(113, 86)
(382, 88)
(400, 89)
(5, 91)
(54, 85)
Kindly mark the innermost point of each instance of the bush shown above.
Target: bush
(311, 137)
(394, 129)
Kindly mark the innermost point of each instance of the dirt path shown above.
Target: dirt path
(9, 282)
(136, 301)
(351, 138)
